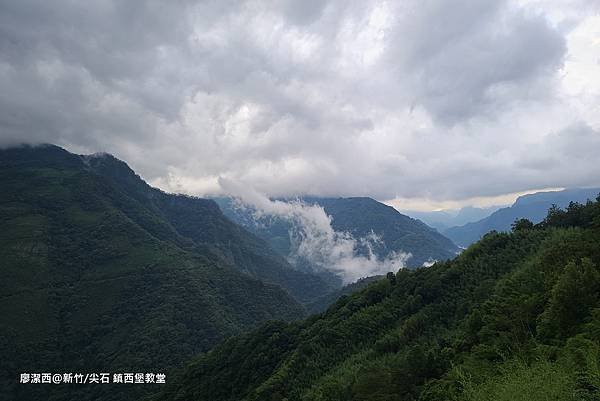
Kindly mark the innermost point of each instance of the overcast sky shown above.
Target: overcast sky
(423, 103)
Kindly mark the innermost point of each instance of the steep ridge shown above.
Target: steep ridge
(99, 274)
(202, 222)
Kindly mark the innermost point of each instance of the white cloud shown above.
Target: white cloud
(315, 240)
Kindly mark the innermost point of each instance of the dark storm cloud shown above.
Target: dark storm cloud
(473, 56)
(434, 99)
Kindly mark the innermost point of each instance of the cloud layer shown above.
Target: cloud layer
(423, 99)
(314, 240)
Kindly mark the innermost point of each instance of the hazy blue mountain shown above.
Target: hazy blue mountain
(444, 219)
(532, 207)
(359, 216)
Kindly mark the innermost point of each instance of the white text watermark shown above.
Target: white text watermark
(92, 378)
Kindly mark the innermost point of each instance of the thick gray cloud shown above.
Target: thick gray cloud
(474, 56)
(421, 98)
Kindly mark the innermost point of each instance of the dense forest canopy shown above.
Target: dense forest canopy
(101, 272)
(514, 317)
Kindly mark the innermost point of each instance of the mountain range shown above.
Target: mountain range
(532, 207)
(445, 219)
(96, 261)
(361, 217)
(102, 272)
(515, 317)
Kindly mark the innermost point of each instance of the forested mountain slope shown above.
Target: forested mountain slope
(322, 303)
(101, 274)
(201, 224)
(514, 317)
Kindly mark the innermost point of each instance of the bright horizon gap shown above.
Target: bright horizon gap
(211, 188)
(427, 205)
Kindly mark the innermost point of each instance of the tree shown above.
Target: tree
(573, 297)
(521, 225)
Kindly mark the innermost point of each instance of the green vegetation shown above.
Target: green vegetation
(514, 317)
(322, 303)
(102, 273)
(201, 226)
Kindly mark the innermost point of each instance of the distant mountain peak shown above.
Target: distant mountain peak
(531, 206)
(361, 217)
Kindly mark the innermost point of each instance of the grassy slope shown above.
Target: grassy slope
(94, 280)
(515, 317)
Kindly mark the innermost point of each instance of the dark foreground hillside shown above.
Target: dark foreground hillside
(102, 273)
(515, 317)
